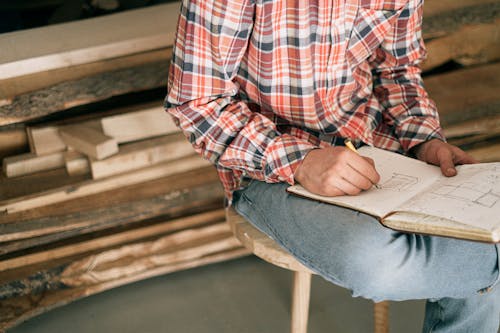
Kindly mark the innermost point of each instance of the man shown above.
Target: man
(268, 90)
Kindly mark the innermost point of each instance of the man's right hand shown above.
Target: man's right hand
(336, 171)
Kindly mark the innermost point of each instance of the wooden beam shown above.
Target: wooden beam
(13, 141)
(29, 163)
(435, 7)
(45, 140)
(481, 126)
(32, 233)
(25, 307)
(13, 87)
(63, 96)
(76, 163)
(470, 45)
(85, 188)
(179, 183)
(466, 94)
(62, 45)
(89, 141)
(142, 154)
(451, 20)
(119, 238)
(139, 125)
(489, 152)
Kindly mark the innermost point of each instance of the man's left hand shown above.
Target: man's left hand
(444, 155)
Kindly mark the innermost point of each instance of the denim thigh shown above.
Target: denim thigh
(355, 251)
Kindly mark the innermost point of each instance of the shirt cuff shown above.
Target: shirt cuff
(418, 130)
(283, 156)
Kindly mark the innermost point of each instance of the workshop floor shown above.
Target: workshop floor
(240, 296)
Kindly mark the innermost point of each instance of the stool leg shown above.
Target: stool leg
(381, 317)
(300, 301)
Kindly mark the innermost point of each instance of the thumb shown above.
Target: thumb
(445, 160)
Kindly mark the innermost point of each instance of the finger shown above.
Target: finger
(355, 178)
(445, 161)
(369, 160)
(345, 186)
(363, 167)
(462, 157)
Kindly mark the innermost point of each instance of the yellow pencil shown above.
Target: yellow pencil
(348, 144)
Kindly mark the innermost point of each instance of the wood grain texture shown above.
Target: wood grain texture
(469, 45)
(89, 141)
(449, 21)
(37, 50)
(138, 125)
(63, 96)
(466, 94)
(29, 163)
(141, 154)
(77, 190)
(13, 87)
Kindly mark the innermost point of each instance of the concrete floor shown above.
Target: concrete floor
(240, 296)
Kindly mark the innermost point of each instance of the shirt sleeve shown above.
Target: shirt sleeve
(398, 84)
(212, 38)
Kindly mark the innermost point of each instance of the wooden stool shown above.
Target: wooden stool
(267, 249)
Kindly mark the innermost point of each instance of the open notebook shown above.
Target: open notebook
(415, 197)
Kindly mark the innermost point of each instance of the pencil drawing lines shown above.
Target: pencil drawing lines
(469, 192)
(399, 182)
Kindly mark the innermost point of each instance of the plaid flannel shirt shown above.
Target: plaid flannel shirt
(256, 84)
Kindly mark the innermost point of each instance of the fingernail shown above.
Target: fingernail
(450, 171)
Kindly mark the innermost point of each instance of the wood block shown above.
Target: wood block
(139, 125)
(45, 140)
(76, 163)
(142, 154)
(89, 141)
(29, 163)
(13, 141)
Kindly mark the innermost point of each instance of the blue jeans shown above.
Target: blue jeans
(355, 251)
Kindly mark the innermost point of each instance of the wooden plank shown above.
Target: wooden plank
(466, 94)
(45, 140)
(63, 96)
(168, 185)
(88, 141)
(139, 125)
(451, 20)
(13, 141)
(76, 163)
(486, 153)
(10, 88)
(23, 307)
(62, 45)
(434, 7)
(481, 126)
(470, 45)
(142, 154)
(29, 163)
(117, 217)
(116, 239)
(85, 188)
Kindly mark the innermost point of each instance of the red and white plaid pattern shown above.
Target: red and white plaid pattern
(255, 85)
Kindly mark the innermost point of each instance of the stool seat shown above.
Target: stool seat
(267, 249)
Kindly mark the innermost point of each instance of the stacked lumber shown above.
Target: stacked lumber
(463, 72)
(94, 195)
(100, 189)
